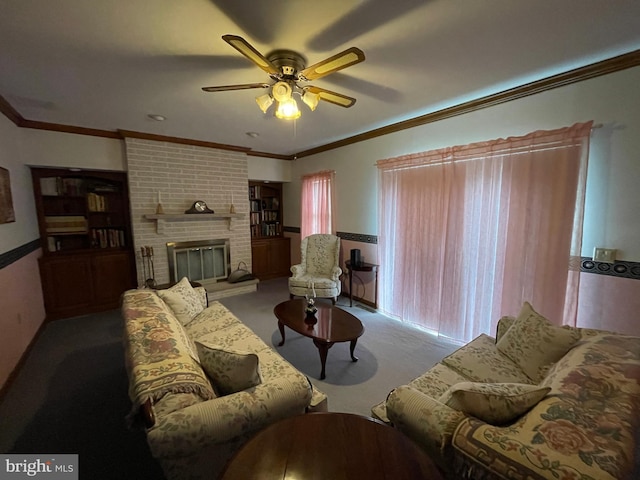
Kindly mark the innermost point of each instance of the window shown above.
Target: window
(468, 233)
(317, 203)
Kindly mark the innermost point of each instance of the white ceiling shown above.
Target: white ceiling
(107, 64)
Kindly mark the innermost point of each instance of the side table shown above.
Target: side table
(335, 446)
(362, 267)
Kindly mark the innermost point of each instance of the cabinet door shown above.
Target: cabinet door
(66, 285)
(111, 277)
(280, 257)
(271, 258)
(260, 259)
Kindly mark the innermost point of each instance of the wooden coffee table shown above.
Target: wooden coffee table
(335, 446)
(333, 325)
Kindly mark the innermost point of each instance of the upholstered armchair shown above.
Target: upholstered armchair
(318, 270)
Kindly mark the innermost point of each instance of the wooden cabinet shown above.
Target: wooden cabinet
(81, 283)
(111, 275)
(85, 234)
(66, 285)
(271, 257)
(270, 250)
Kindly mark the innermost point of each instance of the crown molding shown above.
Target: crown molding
(615, 64)
(11, 113)
(180, 140)
(277, 156)
(604, 67)
(57, 127)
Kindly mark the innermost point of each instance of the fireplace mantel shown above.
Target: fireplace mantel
(161, 218)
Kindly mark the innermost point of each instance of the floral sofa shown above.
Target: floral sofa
(537, 402)
(201, 382)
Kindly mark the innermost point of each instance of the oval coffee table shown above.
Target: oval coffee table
(335, 446)
(333, 325)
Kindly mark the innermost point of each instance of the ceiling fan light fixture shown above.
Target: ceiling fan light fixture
(311, 99)
(287, 68)
(288, 110)
(281, 91)
(264, 102)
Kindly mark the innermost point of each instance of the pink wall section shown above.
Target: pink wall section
(22, 308)
(609, 303)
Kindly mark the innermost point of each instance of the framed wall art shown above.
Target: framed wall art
(7, 214)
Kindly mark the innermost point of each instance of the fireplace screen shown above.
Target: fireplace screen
(199, 260)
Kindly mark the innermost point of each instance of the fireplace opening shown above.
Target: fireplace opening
(199, 260)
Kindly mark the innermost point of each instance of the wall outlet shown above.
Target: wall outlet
(607, 255)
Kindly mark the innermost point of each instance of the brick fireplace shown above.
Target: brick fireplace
(179, 175)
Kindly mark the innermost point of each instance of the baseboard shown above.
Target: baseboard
(359, 299)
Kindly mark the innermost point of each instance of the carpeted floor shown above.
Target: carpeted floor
(71, 394)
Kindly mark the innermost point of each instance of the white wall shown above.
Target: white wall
(25, 228)
(55, 149)
(271, 169)
(613, 193)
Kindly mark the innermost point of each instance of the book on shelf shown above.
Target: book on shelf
(271, 229)
(96, 203)
(254, 191)
(52, 244)
(68, 224)
(107, 238)
(269, 216)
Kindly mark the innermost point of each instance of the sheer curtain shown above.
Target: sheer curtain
(468, 233)
(317, 203)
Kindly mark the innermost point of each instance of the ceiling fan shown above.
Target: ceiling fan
(289, 73)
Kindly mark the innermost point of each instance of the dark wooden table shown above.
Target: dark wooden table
(330, 446)
(362, 267)
(332, 325)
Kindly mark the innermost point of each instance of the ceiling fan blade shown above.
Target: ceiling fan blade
(244, 86)
(251, 53)
(345, 59)
(332, 97)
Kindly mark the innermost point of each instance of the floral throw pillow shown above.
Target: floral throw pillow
(183, 300)
(230, 371)
(535, 344)
(494, 403)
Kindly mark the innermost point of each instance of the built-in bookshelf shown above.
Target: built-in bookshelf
(265, 205)
(81, 211)
(85, 234)
(270, 249)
